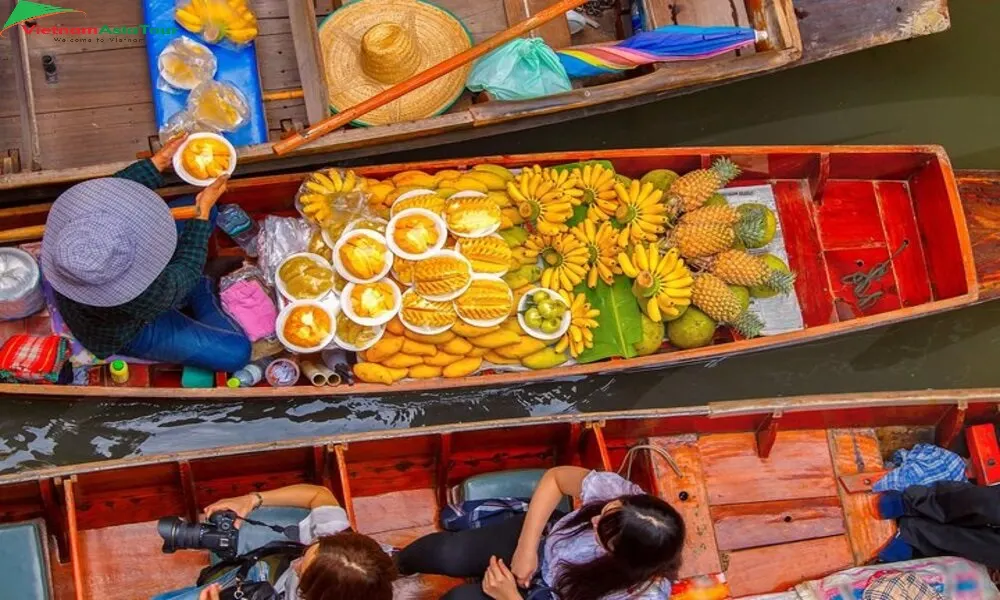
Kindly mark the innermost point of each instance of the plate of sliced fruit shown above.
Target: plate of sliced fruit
(203, 158)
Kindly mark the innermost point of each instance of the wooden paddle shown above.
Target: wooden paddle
(35, 232)
(424, 77)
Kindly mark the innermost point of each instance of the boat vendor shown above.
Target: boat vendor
(129, 280)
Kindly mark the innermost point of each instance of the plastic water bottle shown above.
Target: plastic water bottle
(638, 17)
(250, 375)
(240, 226)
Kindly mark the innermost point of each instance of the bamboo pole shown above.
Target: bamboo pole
(35, 232)
(424, 77)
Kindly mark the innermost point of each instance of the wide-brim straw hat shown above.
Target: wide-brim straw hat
(106, 240)
(370, 45)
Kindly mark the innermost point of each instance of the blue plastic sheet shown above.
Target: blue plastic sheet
(236, 67)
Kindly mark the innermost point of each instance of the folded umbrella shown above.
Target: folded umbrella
(670, 43)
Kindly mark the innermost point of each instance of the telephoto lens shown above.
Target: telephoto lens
(219, 534)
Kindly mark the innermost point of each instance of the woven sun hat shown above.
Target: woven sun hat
(370, 45)
(106, 240)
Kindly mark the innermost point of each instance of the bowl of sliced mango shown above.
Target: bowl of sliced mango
(203, 158)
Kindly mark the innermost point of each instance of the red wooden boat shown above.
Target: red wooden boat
(889, 214)
(773, 491)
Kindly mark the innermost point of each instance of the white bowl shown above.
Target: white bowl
(342, 269)
(419, 329)
(345, 305)
(457, 293)
(538, 335)
(497, 275)
(188, 177)
(354, 348)
(489, 322)
(478, 234)
(439, 226)
(280, 284)
(331, 309)
(410, 194)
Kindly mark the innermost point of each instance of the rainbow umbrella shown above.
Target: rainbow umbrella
(670, 43)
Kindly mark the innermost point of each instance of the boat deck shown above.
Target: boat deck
(767, 523)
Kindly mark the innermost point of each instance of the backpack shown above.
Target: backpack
(473, 514)
(251, 576)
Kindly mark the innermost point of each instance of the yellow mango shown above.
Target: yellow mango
(418, 348)
(497, 339)
(395, 327)
(544, 359)
(424, 372)
(402, 361)
(477, 352)
(374, 373)
(512, 325)
(457, 346)
(496, 359)
(442, 359)
(526, 346)
(397, 374)
(384, 348)
(435, 340)
(470, 331)
(461, 368)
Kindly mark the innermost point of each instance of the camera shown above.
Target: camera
(219, 534)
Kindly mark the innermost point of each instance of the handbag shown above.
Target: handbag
(277, 555)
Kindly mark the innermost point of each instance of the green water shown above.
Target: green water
(941, 89)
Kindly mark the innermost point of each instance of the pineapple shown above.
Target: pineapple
(749, 222)
(715, 299)
(703, 239)
(737, 267)
(693, 189)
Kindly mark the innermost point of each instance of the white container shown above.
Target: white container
(342, 269)
(279, 283)
(477, 234)
(188, 177)
(538, 335)
(498, 274)
(20, 285)
(345, 305)
(410, 194)
(329, 307)
(489, 322)
(439, 227)
(457, 293)
(419, 329)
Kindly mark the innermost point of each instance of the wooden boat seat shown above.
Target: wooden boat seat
(24, 565)
(515, 483)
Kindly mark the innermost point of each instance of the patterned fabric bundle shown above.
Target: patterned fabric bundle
(33, 359)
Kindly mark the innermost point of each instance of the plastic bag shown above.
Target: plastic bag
(244, 296)
(181, 122)
(331, 199)
(184, 64)
(520, 70)
(279, 238)
(230, 23)
(218, 105)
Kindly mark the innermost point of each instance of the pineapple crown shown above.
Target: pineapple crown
(748, 324)
(781, 281)
(726, 169)
(751, 225)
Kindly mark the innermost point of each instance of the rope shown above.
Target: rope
(630, 455)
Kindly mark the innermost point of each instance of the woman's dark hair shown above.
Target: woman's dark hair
(348, 565)
(643, 540)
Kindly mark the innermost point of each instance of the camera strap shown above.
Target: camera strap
(275, 528)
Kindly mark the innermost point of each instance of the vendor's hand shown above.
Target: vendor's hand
(241, 505)
(163, 158)
(523, 565)
(210, 593)
(498, 582)
(209, 196)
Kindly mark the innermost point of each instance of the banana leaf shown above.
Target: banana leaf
(579, 165)
(620, 323)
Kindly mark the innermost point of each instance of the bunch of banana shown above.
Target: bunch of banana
(545, 198)
(662, 284)
(564, 259)
(640, 213)
(598, 185)
(216, 20)
(318, 190)
(602, 250)
(583, 321)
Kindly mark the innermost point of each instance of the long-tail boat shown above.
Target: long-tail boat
(891, 215)
(81, 105)
(773, 491)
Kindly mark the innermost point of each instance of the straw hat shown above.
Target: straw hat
(371, 45)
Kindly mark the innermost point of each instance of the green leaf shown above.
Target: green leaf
(579, 214)
(620, 324)
(579, 165)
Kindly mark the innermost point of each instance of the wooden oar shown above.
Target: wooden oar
(35, 232)
(424, 77)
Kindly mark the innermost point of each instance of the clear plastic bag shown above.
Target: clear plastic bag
(226, 22)
(218, 105)
(245, 296)
(331, 199)
(181, 122)
(279, 238)
(520, 70)
(184, 64)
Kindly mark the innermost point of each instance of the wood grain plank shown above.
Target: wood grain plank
(805, 254)
(740, 526)
(941, 235)
(74, 138)
(396, 510)
(305, 39)
(900, 224)
(8, 100)
(482, 18)
(777, 568)
(105, 12)
(799, 467)
(88, 80)
(980, 191)
(278, 67)
(555, 32)
(848, 216)
(689, 496)
(857, 451)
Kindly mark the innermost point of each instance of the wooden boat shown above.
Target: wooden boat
(79, 110)
(773, 491)
(892, 214)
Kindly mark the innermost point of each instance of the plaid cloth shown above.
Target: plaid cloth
(32, 359)
(925, 464)
(473, 514)
(900, 586)
(952, 577)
